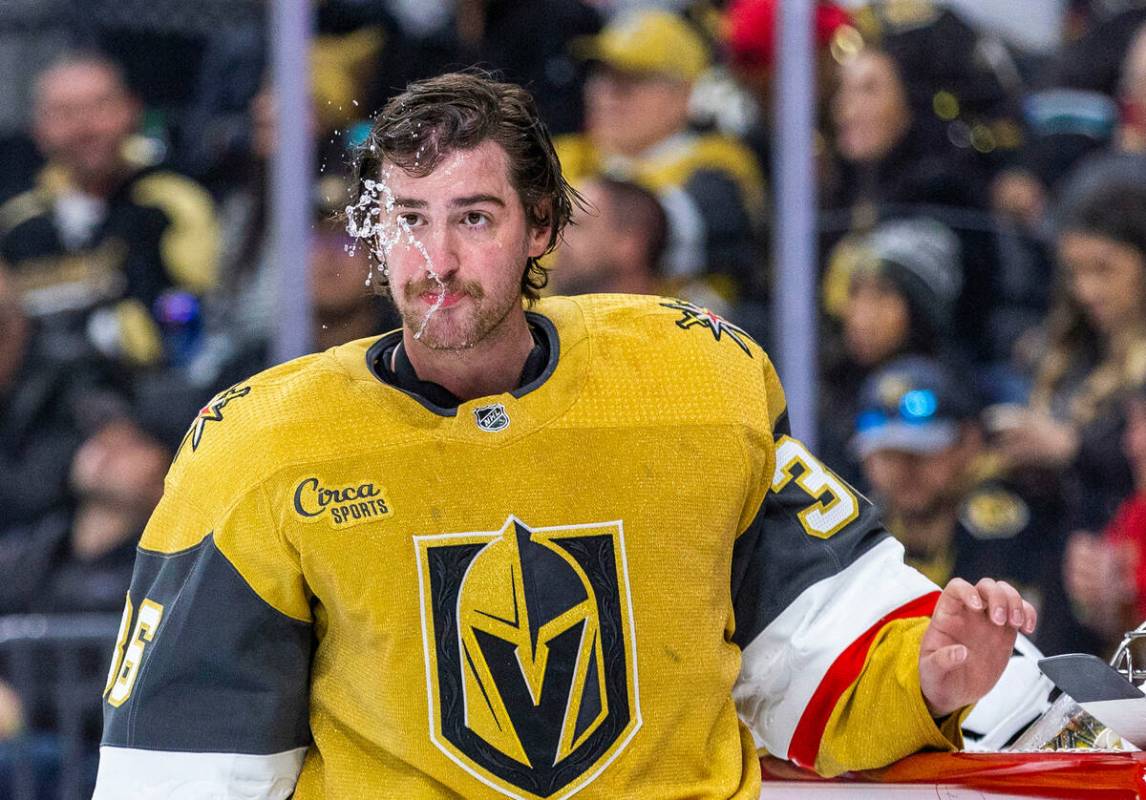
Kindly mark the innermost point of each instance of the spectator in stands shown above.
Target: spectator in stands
(751, 42)
(1084, 126)
(1062, 126)
(637, 128)
(1089, 98)
(525, 41)
(615, 244)
(76, 560)
(1125, 159)
(1086, 129)
(1095, 45)
(52, 397)
(752, 48)
(1095, 350)
(240, 316)
(212, 132)
(239, 312)
(1132, 95)
(925, 455)
(82, 560)
(913, 108)
(894, 294)
(344, 307)
(1106, 576)
(104, 234)
(907, 105)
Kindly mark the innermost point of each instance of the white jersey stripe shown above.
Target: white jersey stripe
(782, 667)
(131, 774)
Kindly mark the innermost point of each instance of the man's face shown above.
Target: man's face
(83, 116)
(915, 484)
(122, 466)
(337, 273)
(587, 258)
(627, 113)
(463, 241)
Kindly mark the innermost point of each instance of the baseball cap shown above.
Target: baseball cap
(649, 41)
(914, 404)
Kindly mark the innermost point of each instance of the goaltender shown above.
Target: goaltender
(519, 548)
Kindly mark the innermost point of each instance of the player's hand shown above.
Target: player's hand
(969, 642)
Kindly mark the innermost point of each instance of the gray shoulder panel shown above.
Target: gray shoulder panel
(224, 671)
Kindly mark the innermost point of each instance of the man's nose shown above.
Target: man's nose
(441, 252)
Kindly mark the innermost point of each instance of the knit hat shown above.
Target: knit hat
(921, 258)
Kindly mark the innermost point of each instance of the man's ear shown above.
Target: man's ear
(539, 234)
(538, 240)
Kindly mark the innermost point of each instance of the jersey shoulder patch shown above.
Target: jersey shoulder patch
(696, 318)
(248, 428)
(210, 414)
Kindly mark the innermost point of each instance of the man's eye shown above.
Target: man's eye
(409, 219)
(475, 218)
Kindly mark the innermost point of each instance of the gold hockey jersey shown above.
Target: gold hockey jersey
(618, 581)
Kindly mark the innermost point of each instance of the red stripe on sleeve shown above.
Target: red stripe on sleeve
(842, 674)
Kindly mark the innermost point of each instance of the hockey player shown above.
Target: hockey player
(519, 549)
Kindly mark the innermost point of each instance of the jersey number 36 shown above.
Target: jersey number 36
(127, 657)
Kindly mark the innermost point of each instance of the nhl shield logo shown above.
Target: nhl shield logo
(531, 668)
(492, 418)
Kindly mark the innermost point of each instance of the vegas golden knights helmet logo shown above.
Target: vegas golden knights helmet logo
(531, 661)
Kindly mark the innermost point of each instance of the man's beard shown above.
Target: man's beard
(447, 329)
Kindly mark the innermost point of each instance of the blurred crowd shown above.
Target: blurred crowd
(981, 183)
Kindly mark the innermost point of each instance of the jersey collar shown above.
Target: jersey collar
(539, 400)
(539, 365)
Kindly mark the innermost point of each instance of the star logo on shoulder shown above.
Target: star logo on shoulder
(212, 412)
(694, 315)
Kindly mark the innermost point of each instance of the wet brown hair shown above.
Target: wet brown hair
(460, 111)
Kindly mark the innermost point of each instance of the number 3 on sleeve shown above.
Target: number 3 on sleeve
(836, 504)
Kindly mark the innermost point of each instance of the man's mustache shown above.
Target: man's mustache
(415, 290)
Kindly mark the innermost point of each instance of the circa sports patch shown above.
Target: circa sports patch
(693, 316)
(531, 671)
(340, 504)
